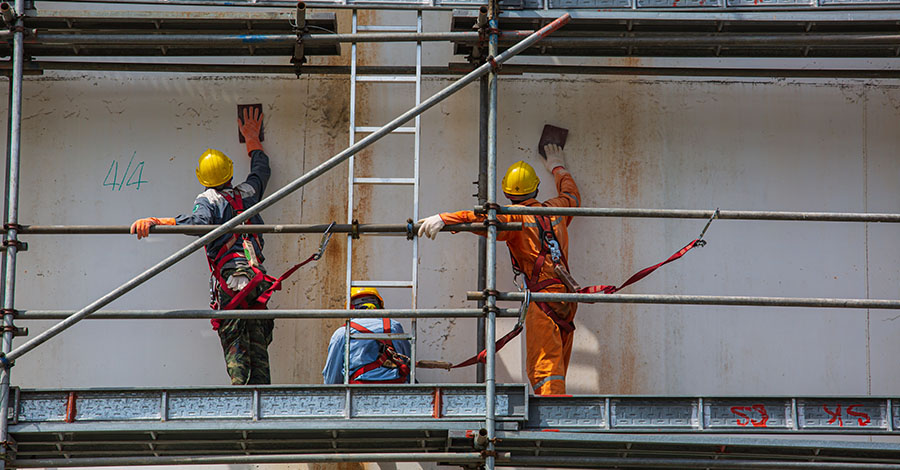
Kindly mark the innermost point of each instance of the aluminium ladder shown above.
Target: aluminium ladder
(412, 182)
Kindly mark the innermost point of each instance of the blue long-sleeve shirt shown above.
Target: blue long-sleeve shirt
(211, 208)
(362, 352)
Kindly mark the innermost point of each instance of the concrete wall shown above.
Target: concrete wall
(662, 143)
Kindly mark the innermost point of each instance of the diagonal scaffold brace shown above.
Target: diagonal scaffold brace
(7, 360)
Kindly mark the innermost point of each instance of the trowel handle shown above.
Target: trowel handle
(434, 365)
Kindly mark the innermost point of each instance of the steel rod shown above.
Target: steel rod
(505, 38)
(225, 39)
(279, 194)
(459, 69)
(383, 229)
(700, 214)
(250, 459)
(481, 194)
(750, 301)
(415, 5)
(182, 314)
(12, 210)
(490, 271)
(685, 462)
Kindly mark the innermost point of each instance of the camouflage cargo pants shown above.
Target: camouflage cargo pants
(245, 343)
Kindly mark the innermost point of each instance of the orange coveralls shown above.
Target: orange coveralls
(547, 346)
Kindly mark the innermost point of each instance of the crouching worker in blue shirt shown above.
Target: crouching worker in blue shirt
(371, 361)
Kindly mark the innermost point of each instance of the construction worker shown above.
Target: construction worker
(371, 361)
(549, 326)
(238, 278)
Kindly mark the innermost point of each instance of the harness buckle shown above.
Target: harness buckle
(326, 237)
(555, 253)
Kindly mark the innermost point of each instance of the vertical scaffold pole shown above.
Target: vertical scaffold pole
(12, 204)
(491, 248)
(482, 198)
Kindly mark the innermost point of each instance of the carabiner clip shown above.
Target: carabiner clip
(326, 237)
(523, 309)
(700, 240)
(555, 253)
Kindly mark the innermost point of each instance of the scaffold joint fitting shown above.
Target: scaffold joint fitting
(410, 229)
(495, 66)
(20, 245)
(15, 330)
(9, 311)
(4, 362)
(12, 226)
(354, 229)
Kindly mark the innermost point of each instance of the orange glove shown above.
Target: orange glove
(250, 126)
(141, 227)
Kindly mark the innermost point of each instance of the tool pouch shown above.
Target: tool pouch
(563, 274)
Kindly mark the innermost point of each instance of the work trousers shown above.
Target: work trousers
(548, 348)
(245, 342)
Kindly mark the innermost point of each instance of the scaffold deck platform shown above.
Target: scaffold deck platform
(93, 426)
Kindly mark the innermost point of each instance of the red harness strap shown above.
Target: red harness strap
(239, 300)
(482, 356)
(387, 353)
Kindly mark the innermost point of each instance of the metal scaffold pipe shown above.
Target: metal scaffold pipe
(263, 314)
(278, 195)
(11, 241)
(450, 457)
(683, 462)
(749, 301)
(374, 229)
(222, 39)
(699, 214)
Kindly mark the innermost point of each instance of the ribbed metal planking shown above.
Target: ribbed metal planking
(816, 415)
(259, 404)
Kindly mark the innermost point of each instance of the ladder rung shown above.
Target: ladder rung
(384, 180)
(387, 78)
(399, 130)
(380, 283)
(391, 336)
(388, 28)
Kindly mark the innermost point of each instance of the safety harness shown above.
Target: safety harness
(241, 300)
(388, 357)
(550, 245)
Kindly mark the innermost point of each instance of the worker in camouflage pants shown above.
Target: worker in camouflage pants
(245, 342)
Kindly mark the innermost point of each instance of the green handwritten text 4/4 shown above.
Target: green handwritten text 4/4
(127, 179)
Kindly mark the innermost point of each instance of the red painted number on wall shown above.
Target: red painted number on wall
(837, 417)
(746, 416)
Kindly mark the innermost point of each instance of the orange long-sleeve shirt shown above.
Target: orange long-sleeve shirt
(525, 245)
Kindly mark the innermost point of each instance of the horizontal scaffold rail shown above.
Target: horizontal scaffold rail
(698, 214)
(264, 314)
(455, 69)
(447, 458)
(749, 301)
(372, 229)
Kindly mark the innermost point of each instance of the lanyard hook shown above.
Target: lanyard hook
(700, 240)
(523, 309)
(326, 237)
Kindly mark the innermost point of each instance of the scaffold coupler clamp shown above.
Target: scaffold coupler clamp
(700, 240)
(480, 440)
(6, 363)
(410, 229)
(9, 17)
(300, 28)
(354, 229)
(9, 449)
(326, 237)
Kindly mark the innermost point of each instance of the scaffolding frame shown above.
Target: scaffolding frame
(488, 74)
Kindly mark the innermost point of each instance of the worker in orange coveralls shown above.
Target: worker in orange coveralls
(549, 325)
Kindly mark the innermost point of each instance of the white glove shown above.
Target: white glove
(431, 226)
(555, 157)
(237, 282)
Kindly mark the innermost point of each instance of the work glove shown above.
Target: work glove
(141, 227)
(555, 157)
(431, 226)
(237, 282)
(250, 127)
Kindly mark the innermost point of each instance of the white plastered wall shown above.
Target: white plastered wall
(823, 145)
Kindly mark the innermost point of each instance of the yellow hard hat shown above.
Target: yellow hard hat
(214, 168)
(360, 292)
(520, 179)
